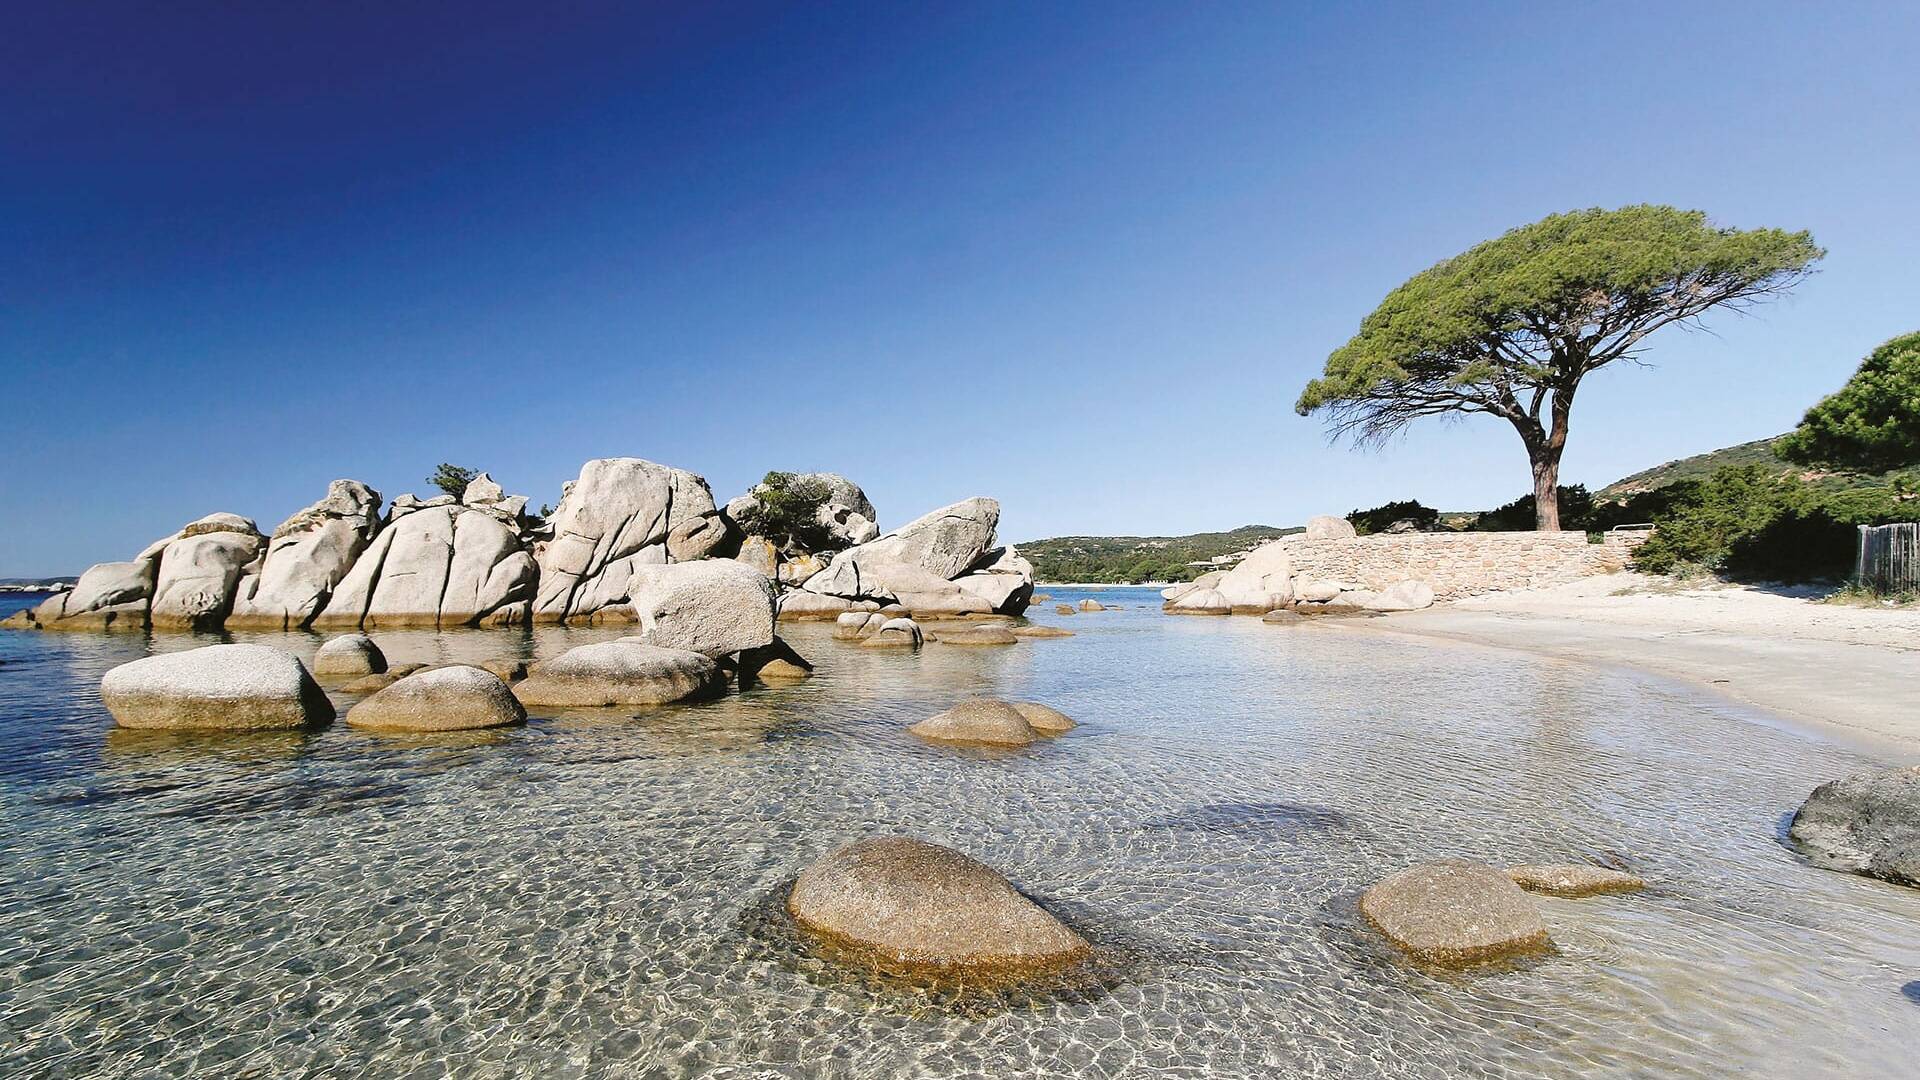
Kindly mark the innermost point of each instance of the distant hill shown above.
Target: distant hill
(1759, 452)
(1126, 559)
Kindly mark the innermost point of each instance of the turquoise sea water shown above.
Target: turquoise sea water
(596, 894)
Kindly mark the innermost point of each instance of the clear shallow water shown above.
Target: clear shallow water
(588, 895)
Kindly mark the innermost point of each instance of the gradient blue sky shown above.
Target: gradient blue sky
(1080, 257)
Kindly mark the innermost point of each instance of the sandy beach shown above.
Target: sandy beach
(1851, 673)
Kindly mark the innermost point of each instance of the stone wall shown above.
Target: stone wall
(1460, 564)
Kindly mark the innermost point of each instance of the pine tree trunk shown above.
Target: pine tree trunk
(1546, 489)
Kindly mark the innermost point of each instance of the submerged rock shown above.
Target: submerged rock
(349, 654)
(623, 672)
(215, 688)
(978, 720)
(506, 669)
(1064, 609)
(1044, 719)
(1036, 630)
(1868, 823)
(907, 905)
(977, 635)
(453, 698)
(1573, 879)
(1282, 617)
(1455, 912)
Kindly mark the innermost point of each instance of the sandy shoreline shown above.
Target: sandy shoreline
(1847, 673)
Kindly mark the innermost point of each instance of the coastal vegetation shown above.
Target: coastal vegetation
(1123, 560)
(785, 509)
(452, 479)
(1511, 327)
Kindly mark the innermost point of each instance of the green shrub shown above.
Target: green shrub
(1748, 524)
(452, 479)
(786, 510)
(1378, 518)
(1576, 508)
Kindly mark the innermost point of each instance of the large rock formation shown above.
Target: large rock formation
(618, 516)
(905, 905)
(1868, 823)
(847, 514)
(941, 564)
(186, 580)
(1455, 912)
(200, 570)
(439, 565)
(215, 688)
(1262, 582)
(453, 698)
(306, 559)
(623, 672)
(713, 607)
(108, 596)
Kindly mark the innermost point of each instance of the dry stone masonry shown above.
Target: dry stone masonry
(1459, 564)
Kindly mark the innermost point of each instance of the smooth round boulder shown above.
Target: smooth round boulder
(977, 635)
(1868, 823)
(1199, 602)
(622, 672)
(1043, 719)
(1573, 880)
(1455, 912)
(855, 625)
(349, 654)
(1035, 630)
(982, 721)
(1328, 527)
(907, 906)
(452, 698)
(215, 688)
(1403, 595)
(506, 668)
(1092, 605)
(897, 633)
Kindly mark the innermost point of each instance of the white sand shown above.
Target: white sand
(1850, 673)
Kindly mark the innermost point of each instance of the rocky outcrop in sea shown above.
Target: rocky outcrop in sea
(479, 559)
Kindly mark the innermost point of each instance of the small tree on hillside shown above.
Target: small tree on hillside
(1512, 326)
(1872, 423)
(452, 479)
(786, 510)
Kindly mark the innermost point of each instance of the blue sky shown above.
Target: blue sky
(1079, 257)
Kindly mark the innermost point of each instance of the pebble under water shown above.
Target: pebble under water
(598, 893)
